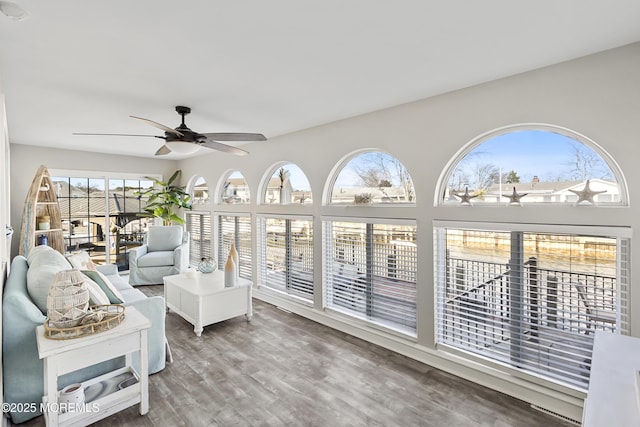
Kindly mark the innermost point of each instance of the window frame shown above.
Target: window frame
(289, 278)
(246, 262)
(623, 236)
(194, 258)
(447, 171)
(339, 167)
(328, 276)
(106, 177)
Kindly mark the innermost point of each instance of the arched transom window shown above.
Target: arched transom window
(532, 166)
(288, 184)
(235, 189)
(372, 177)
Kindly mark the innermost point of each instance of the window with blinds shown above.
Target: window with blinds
(199, 229)
(286, 248)
(234, 228)
(531, 300)
(370, 272)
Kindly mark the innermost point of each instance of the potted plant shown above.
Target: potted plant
(283, 175)
(165, 198)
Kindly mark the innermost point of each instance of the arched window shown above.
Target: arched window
(199, 190)
(234, 189)
(532, 165)
(519, 289)
(370, 262)
(371, 177)
(287, 184)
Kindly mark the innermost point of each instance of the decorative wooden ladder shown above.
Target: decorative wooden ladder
(41, 202)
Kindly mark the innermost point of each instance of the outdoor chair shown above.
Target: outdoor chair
(594, 315)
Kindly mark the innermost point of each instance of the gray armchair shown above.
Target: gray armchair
(165, 252)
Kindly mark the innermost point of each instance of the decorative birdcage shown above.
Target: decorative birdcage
(68, 299)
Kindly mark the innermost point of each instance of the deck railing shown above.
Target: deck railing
(545, 323)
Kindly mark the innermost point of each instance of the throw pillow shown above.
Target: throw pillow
(81, 261)
(44, 262)
(96, 294)
(107, 287)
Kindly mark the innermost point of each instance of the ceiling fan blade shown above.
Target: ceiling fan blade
(163, 150)
(159, 126)
(116, 134)
(235, 136)
(223, 147)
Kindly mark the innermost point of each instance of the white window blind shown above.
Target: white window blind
(370, 272)
(199, 229)
(287, 255)
(531, 300)
(233, 228)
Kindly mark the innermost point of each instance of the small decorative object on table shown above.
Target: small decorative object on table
(98, 318)
(236, 259)
(68, 299)
(207, 265)
(230, 276)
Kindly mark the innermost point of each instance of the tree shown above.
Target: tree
(511, 178)
(380, 170)
(484, 175)
(587, 164)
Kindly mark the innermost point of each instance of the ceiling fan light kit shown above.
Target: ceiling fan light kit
(184, 141)
(180, 147)
(13, 11)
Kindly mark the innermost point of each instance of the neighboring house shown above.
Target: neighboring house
(551, 192)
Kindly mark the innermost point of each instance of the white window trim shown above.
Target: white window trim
(443, 179)
(326, 220)
(623, 310)
(262, 256)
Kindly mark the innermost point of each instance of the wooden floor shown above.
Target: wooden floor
(284, 370)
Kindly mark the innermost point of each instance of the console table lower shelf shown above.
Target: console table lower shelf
(106, 394)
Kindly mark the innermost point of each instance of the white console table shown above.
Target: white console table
(612, 398)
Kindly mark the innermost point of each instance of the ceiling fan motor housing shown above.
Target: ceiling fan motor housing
(188, 134)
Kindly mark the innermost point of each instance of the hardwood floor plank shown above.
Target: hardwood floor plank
(283, 370)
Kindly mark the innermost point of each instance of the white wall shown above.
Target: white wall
(4, 213)
(26, 159)
(597, 96)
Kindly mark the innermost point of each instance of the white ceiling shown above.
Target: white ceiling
(270, 66)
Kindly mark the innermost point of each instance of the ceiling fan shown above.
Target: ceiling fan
(183, 140)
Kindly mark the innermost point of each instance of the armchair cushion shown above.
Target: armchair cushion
(156, 259)
(165, 238)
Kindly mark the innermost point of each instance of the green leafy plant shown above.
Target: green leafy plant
(165, 198)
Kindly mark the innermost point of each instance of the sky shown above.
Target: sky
(529, 153)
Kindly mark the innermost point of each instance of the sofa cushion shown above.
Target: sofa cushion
(81, 261)
(96, 294)
(111, 292)
(164, 238)
(156, 259)
(44, 262)
(133, 295)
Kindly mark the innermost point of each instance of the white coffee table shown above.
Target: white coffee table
(203, 300)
